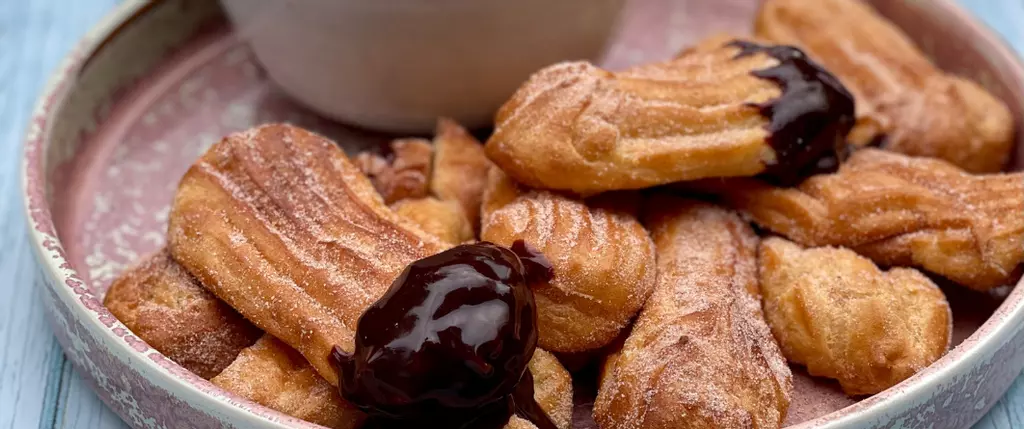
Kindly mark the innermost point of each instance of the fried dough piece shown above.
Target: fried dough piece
(276, 376)
(445, 220)
(279, 224)
(837, 313)
(900, 94)
(576, 127)
(405, 173)
(460, 169)
(700, 354)
(900, 211)
(552, 389)
(603, 259)
(168, 309)
(453, 169)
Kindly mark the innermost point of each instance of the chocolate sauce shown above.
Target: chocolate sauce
(809, 121)
(449, 343)
(829, 163)
(538, 268)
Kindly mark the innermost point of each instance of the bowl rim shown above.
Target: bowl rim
(1005, 322)
(52, 260)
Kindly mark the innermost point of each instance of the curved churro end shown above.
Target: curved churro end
(168, 309)
(274, 375)
(700, 354)
(837, 313)
(552, 388)
(903, 99)
(603, 259)
(899, 211)
(722, 109)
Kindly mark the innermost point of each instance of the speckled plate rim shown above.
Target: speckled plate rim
(53, 262)
(995, 333)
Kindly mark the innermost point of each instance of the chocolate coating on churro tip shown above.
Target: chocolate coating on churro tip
(450, 341)
(809, 121)
(537, 268)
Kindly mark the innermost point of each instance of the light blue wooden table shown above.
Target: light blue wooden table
(38, 389)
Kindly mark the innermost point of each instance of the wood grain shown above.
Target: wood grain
(38, 388)
(34, 36)
(79, 408)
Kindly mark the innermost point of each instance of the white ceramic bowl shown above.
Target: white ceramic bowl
(158, 81)
(398, 65)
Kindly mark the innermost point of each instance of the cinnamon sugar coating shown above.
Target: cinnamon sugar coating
(837, 313)
(167, 308)
(552, 389)
(445, 220)
(899, 211)
(280, 225)
(603, 260)
(460, 169)
(272, 374)
(579, 128)
(901, 96)
(700, 354)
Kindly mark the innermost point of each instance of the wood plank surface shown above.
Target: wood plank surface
(38, 389)
(34, 36)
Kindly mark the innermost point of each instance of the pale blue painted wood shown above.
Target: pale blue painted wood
(38, 389)
(34, 35)
(1009, 412)
(81, 409)
(1005, 16)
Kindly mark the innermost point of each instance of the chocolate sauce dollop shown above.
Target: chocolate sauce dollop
(449, 343)
(809, 121)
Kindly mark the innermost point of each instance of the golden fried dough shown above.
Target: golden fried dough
(552, 389)
(279, 224)
(445, 220)
(576, 127)
(602, 256)
(453, 170)
(901, 96)
(899, 211)
(168, 309)
(837, 313)
(700, 354)
(274, 375)
(405, 173)
(460, 169)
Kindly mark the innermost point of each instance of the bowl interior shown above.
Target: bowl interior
(112, 175)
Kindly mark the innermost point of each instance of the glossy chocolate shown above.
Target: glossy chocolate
(809, 121)
(537, 267)
(450, 341)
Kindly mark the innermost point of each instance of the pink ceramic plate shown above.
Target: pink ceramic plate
(157, 82)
